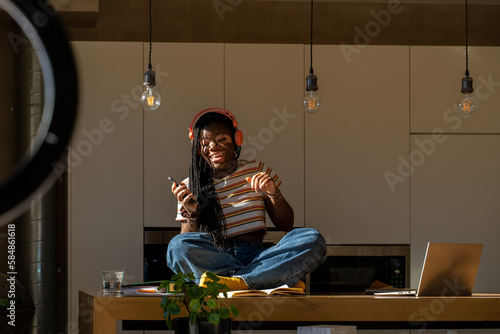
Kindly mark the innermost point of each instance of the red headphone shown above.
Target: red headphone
(238, 135)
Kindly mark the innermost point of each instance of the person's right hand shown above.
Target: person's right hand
(185, 197)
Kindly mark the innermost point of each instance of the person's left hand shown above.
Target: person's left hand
(262, 182)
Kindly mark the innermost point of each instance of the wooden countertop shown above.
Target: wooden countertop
(97, 310)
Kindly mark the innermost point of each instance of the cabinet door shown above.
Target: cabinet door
(436, 75)
(355, 143)
(105, 167)
(264, 89)
(455, 192)
(191, 80)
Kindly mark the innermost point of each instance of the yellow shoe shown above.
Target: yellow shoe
(234, 283)
(300, 284)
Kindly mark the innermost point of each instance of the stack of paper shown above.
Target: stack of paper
(326, 329)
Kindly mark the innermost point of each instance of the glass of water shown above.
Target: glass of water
(111, 281)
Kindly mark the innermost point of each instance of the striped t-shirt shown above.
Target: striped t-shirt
(243, 208)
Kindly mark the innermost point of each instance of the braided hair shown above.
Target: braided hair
(211, 219)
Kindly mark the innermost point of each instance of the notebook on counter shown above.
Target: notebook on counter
(449, 269)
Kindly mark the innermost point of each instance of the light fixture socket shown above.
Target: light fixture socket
(149, 78)
(311, 82)
(467, 85)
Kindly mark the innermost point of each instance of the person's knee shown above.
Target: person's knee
(174, 243)
(313, 236)
(178, 247)
(315, 242)
(319, 240)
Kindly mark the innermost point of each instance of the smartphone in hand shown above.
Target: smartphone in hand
(173, 181)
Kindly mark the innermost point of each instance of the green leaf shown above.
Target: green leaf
(166, 301)
(192, 318)
(163, 284)
(194, 292)
(173, 309)
(169, 323)
(212, 276)
(224, 312)
(194, 305)
(234, 310)
(209, 290)
(213, 318)
(212, 303)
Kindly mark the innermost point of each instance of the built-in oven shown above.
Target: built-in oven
(354, 268)
(155, 251)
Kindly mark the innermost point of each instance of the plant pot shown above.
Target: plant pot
(183, 326)
(205, 327)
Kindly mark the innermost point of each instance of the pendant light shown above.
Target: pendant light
(311, 102)
(467, 103)
(150, 98)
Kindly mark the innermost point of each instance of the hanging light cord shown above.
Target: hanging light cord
(312, 17)
(150, 29)
(466, 40)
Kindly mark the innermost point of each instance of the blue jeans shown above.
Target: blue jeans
(299, 252)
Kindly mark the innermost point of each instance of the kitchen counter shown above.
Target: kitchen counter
(98, 314)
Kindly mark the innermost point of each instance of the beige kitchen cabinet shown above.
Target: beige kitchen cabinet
(355, 145)
(264, 89)
(455, 192)
(436, 75)
(455, 180)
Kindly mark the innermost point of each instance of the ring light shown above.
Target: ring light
(38, 169)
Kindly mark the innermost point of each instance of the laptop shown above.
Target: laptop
(449, 270)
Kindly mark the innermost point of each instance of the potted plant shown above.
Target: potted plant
(201, 303)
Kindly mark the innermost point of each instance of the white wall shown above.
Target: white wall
(106, 168)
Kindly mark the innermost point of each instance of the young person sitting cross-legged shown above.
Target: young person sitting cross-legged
(222, 209)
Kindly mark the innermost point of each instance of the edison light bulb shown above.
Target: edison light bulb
(150, 98)
(467, 104)
(311, 102)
